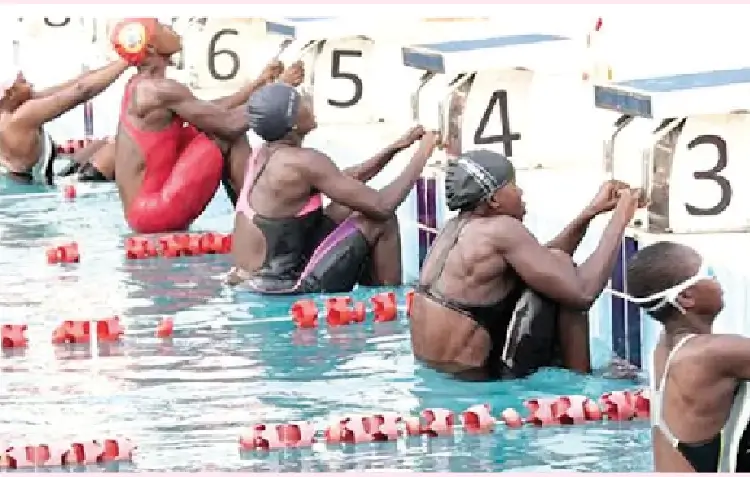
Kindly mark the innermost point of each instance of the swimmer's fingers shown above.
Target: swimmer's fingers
(431, 137)
(411, 136)
(430, 141)
(636, 195)
(272, 71)
(618, 185)
(294, 75)
(416, 132)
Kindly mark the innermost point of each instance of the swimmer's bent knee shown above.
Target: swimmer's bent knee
(185, 193)
(373, 229)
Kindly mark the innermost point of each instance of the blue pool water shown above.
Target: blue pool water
(235, 360)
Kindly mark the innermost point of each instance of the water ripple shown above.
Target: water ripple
(236, 360)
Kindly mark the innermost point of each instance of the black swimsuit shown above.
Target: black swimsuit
(494, 318)
(706, 455)
(308, 253)
(86, 172)
(27, 177)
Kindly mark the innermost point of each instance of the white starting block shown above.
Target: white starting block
(684, 139)
(355, 73)
(340, 63)
(224, 54)
(52, 50)
(521, 95)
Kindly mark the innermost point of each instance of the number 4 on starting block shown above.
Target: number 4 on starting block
(499, 98)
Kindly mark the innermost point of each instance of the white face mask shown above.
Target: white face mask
(669, 296)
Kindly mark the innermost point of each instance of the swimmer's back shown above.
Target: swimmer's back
(144, 128)
(474, 270)
(17, 145)
(697, 401)
(282, 188)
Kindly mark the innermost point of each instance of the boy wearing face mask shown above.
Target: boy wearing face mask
(699, 405)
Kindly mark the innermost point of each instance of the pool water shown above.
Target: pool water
(235, 360)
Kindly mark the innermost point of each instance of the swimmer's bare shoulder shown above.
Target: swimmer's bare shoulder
(165, 93)
(728, 355)
(324, 175)
(156, 93)
(537, 266)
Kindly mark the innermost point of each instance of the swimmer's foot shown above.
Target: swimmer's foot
(235, 276)
(620, 368)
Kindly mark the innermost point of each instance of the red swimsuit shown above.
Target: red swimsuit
(182, 172)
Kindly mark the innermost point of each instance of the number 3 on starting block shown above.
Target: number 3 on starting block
(709, 170)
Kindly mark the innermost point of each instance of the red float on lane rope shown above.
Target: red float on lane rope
(66, 253)
(78, 331)
(13, 336)
(477, 419)
(165, 329)
(56, 455)
(177, 245)
(69, 192)
(342, 310)
(384, 306)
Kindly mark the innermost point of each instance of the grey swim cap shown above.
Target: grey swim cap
(475, 176)
(273, 111)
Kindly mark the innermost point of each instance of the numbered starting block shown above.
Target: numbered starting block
(353, 69)
(683, 139)
(515, 95)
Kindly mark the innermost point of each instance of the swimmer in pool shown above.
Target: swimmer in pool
(494, 303)
(699, 401)
(285, 241)
(86, 166)
(27, 153)
(171, 146)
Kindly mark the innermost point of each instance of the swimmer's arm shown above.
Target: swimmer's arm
(204, 115)
(55, 89)
(546, 273)
(570, 237)
(240, 97)
(365, 171)
(342, 189)
(36, 112)
(731, 355)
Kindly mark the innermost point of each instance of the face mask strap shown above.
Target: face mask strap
(668, 296)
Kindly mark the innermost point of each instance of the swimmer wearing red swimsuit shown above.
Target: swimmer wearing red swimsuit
(172, 148)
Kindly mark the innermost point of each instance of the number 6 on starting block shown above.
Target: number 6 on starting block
(227, 53)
